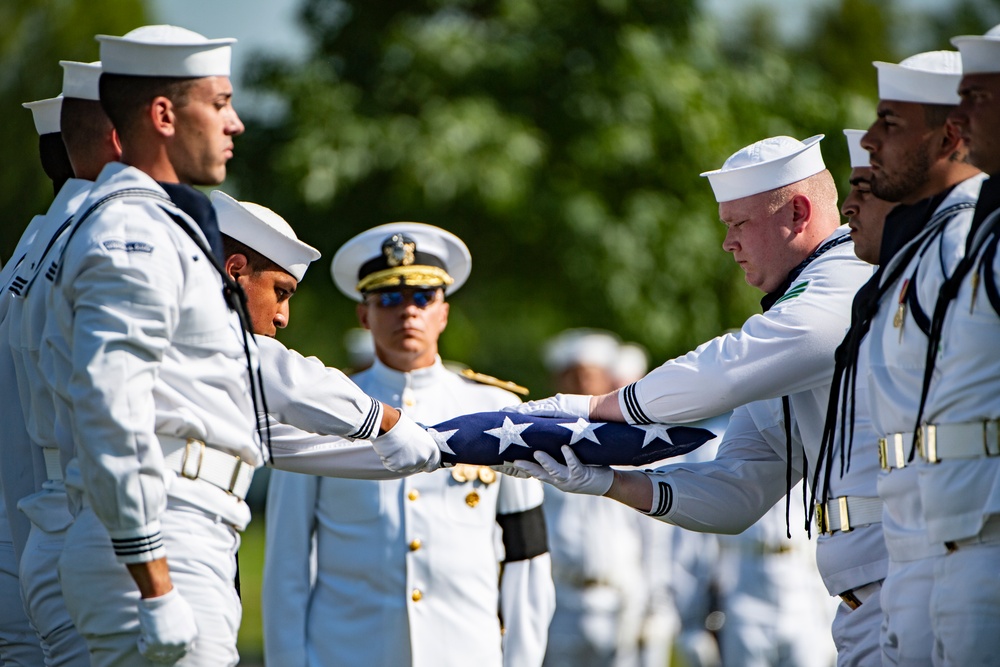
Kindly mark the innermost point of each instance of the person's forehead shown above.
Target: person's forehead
(746, 207)
(900, 109)
(861, 176)
(213, 85)
(980, 82)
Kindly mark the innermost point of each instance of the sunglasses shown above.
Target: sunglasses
(421, 298)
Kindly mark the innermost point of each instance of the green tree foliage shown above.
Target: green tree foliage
(562, 140)
(36, 35)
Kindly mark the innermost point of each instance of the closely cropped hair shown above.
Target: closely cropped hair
(84, 125)
(55, 160)
(124, 97)
(820, 188)
(256, 261)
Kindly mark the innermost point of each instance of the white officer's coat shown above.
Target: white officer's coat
(406, 571)
(788, 350)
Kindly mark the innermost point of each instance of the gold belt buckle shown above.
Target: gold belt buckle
(845, 519)
(187, 454)
(927, 443)
(822, 519)
(883, 453)
(236, 475)
(850, 599)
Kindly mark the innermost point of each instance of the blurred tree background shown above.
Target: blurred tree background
(561, 140)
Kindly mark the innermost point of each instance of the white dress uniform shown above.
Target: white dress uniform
(144, 349)
(960, 494)
(787, 350)
(896, 350)
(19, 643)
(46, 504)
(406, 571)
(597, 567)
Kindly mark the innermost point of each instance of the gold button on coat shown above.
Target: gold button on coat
(472, 499)
(413, 495)
(415, 544)
(416, 595)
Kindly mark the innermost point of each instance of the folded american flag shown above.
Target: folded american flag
(492, 438)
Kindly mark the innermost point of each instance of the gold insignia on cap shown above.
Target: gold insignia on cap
(399, 250)
(472, 499)
(482, 378)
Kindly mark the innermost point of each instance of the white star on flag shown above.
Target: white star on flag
(583, 430)
(509, 434)
(441, 438)
(654, 431)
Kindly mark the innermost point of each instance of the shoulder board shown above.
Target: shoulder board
(470, 374)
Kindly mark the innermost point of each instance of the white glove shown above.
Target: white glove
(408, 448)
(167, 628)
(511, 470)
(562, 406)
(574, 477)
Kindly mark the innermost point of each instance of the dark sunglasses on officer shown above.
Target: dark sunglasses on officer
(421, 298)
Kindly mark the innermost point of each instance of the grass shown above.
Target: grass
(251, 639)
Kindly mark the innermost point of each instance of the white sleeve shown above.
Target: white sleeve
(305, 393)
(731, 492)
(784, 351)
(299, 451)
(288, 579)
(527, 594)
(125, 309)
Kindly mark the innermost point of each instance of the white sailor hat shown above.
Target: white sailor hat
(80, 80)
(581, 347)
(925, 78)
(766, 165)
(265, 231)
(980, 53)
(859, 156)
(45, 113)
(401, 254)
(631, 363)
(165, 50)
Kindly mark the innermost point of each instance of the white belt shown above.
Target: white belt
(960, 441)
(894, 450)
(192, 459)
(846, 513)
(53, 467)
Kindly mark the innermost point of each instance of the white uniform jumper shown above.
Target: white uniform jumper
(46, 506)
(147, 354)
(406, 571)
(960, 494)
(19, 643)
(896, 349)
(788, 350)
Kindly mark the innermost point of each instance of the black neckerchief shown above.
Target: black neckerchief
(199, 208)
(907, 222)
(904, 223)
(769, 299)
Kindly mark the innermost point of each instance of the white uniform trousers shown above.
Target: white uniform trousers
(40, 585)
(906, 637)
(19, 646)
(856, 631)
(965, 601)
(101, 595)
